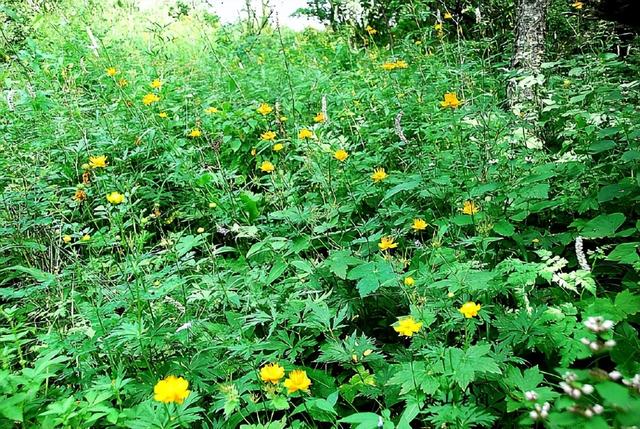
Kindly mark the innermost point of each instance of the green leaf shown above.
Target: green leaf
(602, 146)
(614, 394)
(410, 412)
(276, 271)
(371, 276)
(250, 204)
(504, 228)
(362, 420)
(11, 407)
(603, 225)
(627, 303)
(625, 253)
(338, 262)
(463, 366)
(405, 186)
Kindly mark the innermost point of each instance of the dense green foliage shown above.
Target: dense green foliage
(181, 256)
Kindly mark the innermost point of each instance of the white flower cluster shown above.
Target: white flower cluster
(597, 346)
(325, 114)
(531, 395)
(170, 300)
(540, 412)
(589, 411)
(573, 389)
(10, 99)
(598, 324)
(398, 127)
(634, 382)
(582, 258)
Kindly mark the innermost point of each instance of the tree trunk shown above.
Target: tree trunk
(529, 50)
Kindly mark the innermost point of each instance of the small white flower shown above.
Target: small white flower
(587, 389)
(594, 346)
(576, 393)
(534, 415)
(187, 325)
(530, 395)
(585, 341)
(544, 410)
(598, 409)
(565, 387)
(588, 413)
(615, 375)
(610, 343)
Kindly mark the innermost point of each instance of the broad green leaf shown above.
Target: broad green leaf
(603, 225)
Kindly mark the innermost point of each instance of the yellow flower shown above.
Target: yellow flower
(112, 71)
(450, 295)
(156, 83)
(400, 64)
(419, 225)
(297, 380)
(389, 66)
(200, 230)
(268, 135)
(253, 151)
(447, 15)
(171, 389)
(409, 281)
(438, 26)
(115, 198)
(305, 134)
(123, 82)
(407, 326)
(163, 115)
(265, 109)
(319, 117)
(387, 243)
(371, 30)
(470, 208)
(340, 155)
(271, 373)
(278, 147)
(267, 167)
(211, 110)
(98, 161)
(212, 205)
(470, 309)
(66, 238)
(86, 237)
(150, 99)
(379, 174)
(566, 83)
(195, 133)
(450, 100)
(578, 5)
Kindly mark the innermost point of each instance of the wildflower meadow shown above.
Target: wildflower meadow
(384, 223)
